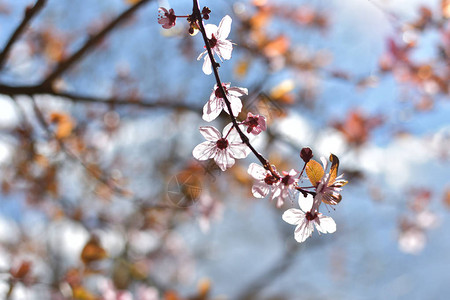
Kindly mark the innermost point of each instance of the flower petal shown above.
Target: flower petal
(293, 216)
(207, 69)
(236, 105)
(204, 151)
(224, 28)
(210, 133)
(224, 49)
(256, 171)
(211, 29)
(224, 160)
(260, 190)
(305, 203)
(237, 91)
(325, 224)
(238, 151)
(303, 231)
(212, 109)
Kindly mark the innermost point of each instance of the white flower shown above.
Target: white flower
(306, 222)
(266, 181)
(218, 42)
(216, 102)
(329, 188)
(224, 150)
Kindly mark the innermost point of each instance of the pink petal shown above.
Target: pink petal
(260, 190)
(204, 151)
(238, 151)
(212, 109)
(237, 91)
(257, 171)
(210, 133)
(224, 160)
(236, 105)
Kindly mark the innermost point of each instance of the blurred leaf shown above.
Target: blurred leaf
(80, 293)
(22, 271)
(64, 124)
(93, 251)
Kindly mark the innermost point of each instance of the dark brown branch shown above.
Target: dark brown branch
(30, 12)
(77, 98)
(91, 42)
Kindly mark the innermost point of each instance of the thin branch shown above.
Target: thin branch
(30, 12)
(198, 16)
(140, 102)
(91, 42)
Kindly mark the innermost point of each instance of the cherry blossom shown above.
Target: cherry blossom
(266, 181)
(216, 102)
(166, 18)
(256, 123)
(224, 149)
(218, 42)
(306, 218)
(285, 186)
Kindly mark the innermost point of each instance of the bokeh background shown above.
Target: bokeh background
(100, 109)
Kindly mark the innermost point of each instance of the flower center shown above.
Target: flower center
(218, 93)
(222, 143)
(286, 180)
(270, 179)
(309, 216)
(212, 41)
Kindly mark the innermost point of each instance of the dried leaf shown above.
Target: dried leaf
(334, 168)
(93, 251)
(80, 293)
(64, 124)
(315, 172)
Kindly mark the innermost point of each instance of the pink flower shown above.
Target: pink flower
(266, 182)
(109, 292)
(209, 209)
(224, 150)
(218, 42)
(286, 186)
(280, 187)
(256, 123)
(306, 222)
(216, 101)
(166, 18)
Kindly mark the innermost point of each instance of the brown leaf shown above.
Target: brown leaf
(334, 168)
(93, 251)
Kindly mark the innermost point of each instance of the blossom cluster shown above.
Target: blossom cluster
(234, 143)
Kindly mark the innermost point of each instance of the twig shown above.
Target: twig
(30, 12)
(47, 90)
(91, 42)
(198, 16)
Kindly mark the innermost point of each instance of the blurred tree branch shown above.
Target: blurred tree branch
(30, 12)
